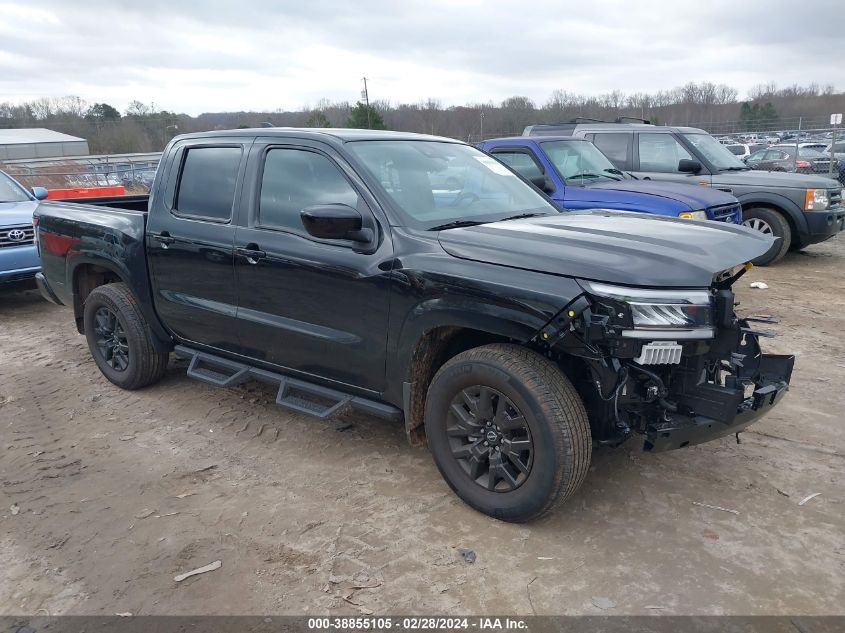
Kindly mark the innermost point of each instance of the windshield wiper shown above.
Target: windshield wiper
(522, 215)
(613, 170)
(734, 169)
(588, 175)
(456, 224)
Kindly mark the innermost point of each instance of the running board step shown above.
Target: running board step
(217, 371)
(294, 394)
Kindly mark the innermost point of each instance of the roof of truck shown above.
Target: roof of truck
(339, 134)
(547, 129)
(537, 139)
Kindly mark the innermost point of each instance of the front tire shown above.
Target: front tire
(769, 222)
(507, 431)
(119, 338)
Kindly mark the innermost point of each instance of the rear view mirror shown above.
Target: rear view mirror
(335, 222)
(687, 166)
(543, 183)
(40, 193)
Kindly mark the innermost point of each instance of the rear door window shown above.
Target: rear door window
(615, 145)
(207, 182)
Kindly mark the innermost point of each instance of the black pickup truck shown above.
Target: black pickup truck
(510, 336)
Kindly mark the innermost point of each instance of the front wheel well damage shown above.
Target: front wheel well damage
(439, 345)
(434, 348)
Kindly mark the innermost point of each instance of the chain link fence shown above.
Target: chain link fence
(134, 172)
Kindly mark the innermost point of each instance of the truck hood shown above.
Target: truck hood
(617, 247)
(14, 213)
(773, 179)
(693, 197)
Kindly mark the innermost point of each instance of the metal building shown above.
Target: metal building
(39, 142)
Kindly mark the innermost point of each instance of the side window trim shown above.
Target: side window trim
(173, 197)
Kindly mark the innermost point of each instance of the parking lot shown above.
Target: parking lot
(108, 494)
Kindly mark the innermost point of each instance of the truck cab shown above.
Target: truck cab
(576, 175)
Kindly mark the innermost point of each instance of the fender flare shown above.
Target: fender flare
(161, 340)
(794, 214)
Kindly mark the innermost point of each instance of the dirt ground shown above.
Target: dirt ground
(106, 495)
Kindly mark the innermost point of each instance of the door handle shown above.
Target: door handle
(164, 238)
(251, 253)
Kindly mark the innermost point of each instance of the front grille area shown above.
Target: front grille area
(727, 213)
(835, 196)
(23, 235)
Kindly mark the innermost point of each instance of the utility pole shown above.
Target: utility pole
(366, 96)
(835, 119)
(482, 124)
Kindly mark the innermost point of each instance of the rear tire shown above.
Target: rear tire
(119, 338)
(769, 222)
(539, 444)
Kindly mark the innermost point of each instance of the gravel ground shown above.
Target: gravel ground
(106, 495)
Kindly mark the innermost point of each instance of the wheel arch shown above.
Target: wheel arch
(433, 348)
(88, 274)
(793, 215)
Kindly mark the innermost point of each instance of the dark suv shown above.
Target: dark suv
(800, 209)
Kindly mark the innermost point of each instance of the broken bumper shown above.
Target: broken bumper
(726, 410)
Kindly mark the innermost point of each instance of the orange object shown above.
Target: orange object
(86, 192)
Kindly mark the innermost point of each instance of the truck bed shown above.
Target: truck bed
(83, 241)
(132, 203)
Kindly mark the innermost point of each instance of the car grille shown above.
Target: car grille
(835, 197)
(23, 235)
(727, 213)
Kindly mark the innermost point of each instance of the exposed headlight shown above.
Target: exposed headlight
(661, 314)
(816, 200)
(693, 215)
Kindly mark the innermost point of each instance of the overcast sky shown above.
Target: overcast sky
(209, 56)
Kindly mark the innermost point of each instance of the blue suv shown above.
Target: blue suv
(19, 259)
(576, 175)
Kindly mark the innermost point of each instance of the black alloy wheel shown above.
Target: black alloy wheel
(490, 439)
(111, 340)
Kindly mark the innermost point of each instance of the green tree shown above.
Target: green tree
(102, 112)
(769, 116)
(755, 117)
(317, 119)
(358, 118)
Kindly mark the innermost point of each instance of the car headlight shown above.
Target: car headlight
(647, 313)
(816, 200)
(693, 215)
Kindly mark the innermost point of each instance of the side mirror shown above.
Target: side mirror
(687, 166)
(40, 193)
(543, 183)
(335, 222)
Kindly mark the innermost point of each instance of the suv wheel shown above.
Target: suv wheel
(119, 338)
(508, 431)
(769, 222)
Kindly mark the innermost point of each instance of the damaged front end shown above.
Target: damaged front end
(676, 366)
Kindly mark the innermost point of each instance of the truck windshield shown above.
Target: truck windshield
(11, 191)
(580, 161)
(432, 183)
(717, 154)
